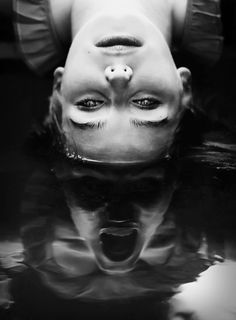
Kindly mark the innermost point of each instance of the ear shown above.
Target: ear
(186, 79)
(55, 107)
(58, 73)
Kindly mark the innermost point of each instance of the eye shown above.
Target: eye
(147, 103)
(89, 104)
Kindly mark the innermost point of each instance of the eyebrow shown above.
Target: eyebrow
(135, 122)
(89, 125)
(149, 123)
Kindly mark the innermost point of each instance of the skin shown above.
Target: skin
(122, 104)
(70, 15)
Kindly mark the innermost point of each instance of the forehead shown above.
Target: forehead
(119, 143)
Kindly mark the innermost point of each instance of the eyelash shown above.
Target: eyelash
(152, 103)
(82, 104)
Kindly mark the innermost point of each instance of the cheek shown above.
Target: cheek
(87, 223)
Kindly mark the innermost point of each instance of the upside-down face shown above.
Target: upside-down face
(117, 214)
(121, 94)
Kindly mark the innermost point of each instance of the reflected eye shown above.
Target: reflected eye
(89, 104)
(147, 103)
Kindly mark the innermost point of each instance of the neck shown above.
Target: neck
(70, 15)
(159, 12)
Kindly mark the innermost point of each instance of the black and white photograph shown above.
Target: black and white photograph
(118, 159)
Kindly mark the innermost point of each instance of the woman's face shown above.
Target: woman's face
(121, 93)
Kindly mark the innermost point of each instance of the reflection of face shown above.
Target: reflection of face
(120, 103)
(118, 216)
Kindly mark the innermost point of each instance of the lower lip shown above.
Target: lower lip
(118, 49)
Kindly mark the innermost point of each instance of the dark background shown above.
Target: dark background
(23, 103)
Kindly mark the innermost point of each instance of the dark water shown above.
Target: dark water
(81, 242)
(84, 242)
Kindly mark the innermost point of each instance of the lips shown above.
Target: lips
(127, 41)
(118, 243)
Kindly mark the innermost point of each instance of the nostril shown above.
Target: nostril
(119, 74)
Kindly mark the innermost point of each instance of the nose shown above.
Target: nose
(118, 75)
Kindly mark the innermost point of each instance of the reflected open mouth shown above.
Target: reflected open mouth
(118, 243)
(118, 41)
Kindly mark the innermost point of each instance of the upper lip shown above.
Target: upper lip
(111, 41)
(119, 224)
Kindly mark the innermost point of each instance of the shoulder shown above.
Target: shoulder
(202, 30)
(61, 15)
(179, 11)
(43, 32)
